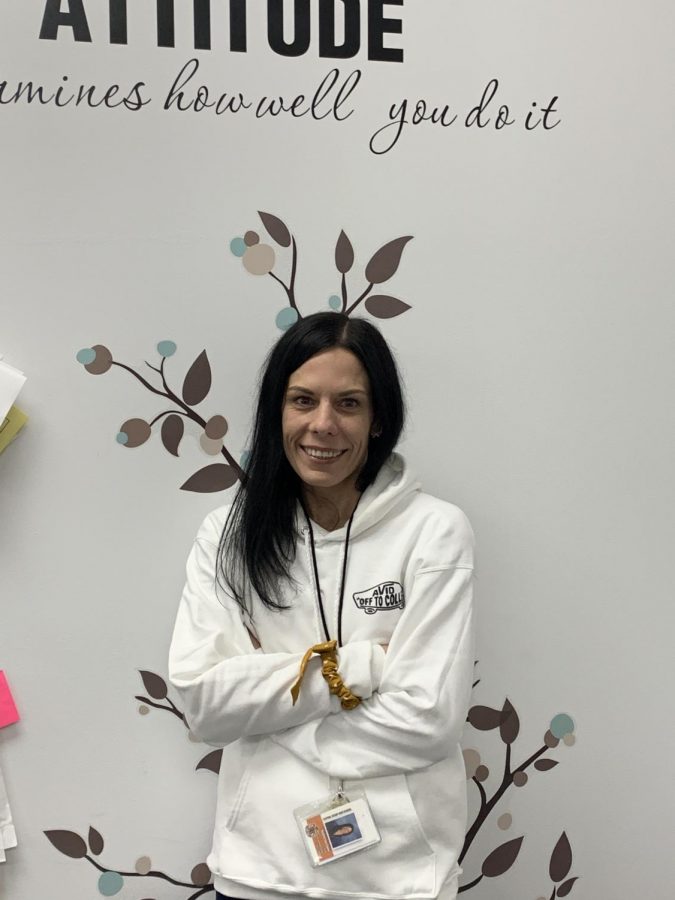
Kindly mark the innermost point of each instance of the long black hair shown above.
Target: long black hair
(257, 546)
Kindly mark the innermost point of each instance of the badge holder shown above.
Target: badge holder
(336, 826)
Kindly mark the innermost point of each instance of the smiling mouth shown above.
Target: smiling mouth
(326, 455)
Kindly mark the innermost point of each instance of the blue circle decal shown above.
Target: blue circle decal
(110, 883)
(238, 246)
(286, 317)
(166, 348)
(561, 725)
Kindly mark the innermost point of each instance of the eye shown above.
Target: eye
(350, 402)
(301, 400)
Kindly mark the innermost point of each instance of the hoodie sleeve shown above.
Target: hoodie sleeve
(230, 690)
(418, 713)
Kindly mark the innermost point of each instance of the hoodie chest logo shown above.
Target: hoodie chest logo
(388, 595)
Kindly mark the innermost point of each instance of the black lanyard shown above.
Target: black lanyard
(342, 580)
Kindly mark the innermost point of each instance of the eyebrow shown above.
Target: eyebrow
(304, 390)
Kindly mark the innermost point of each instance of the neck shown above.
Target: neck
(330, 509)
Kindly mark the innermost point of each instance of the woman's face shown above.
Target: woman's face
(326, 421)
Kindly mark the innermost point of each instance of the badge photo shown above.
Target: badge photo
(336, 826)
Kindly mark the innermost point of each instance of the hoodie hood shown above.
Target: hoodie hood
(394, 485)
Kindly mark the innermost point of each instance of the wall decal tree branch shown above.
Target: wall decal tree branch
(486, 718)
(98, 360)
(260, 259)
(111, 881)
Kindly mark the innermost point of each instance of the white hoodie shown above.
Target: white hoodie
(409, 584)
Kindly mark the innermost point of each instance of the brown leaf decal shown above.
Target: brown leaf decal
(172, 433)
(216, 477)
(201, 875)
(484, 718)
(216, 428)
(501, 859)
(561, 859)
(211, 761)
(197, 382)
(102, 361)
(543, 765)
(565, 887)
(154, 685)
(384, 262)
(276, 229)
(68, 843)
(344, 254)
(509, 725)
(383, 307)
(135, 431)
(95, 841)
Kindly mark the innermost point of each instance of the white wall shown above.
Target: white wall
(537, 354)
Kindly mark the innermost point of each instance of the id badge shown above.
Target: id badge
(337, 826)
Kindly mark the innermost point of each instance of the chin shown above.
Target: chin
(322, 479)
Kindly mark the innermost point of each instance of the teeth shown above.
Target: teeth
(322, 454)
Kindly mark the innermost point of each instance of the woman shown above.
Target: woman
(331, 540)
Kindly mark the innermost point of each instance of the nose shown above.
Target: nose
(324, 420)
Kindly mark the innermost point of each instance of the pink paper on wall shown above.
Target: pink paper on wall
(8, 710)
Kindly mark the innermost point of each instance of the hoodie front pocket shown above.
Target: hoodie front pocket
(233, 790)
(395, 814)
(403, 863)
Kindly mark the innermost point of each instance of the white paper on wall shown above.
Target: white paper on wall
(7, 832)
(11, 382)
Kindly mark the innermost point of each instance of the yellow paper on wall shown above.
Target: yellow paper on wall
(11, 426)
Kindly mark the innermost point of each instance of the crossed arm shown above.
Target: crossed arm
(415, 696)
(230, 689)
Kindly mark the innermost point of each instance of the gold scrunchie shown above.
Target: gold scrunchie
(329, 669)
